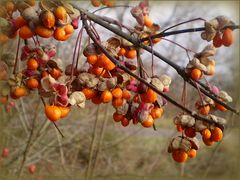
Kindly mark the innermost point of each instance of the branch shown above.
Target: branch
(136, 42)
(119, 65)
(164, 34)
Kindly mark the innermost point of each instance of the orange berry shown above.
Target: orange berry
(207, 142)
(148, 122)
(117, 117)
(179, 156)
(44, 74)
(53, 113)
(126, 94)
(117, 93)
(156, 40)
(25, 32)
(59, 34)
(106, 96)
(32, 83)
(156, 112)
(211, 70)
(60, 13)
(20, 22)
(105, 62)
(131, 54)
(147, 21)
(204, 110)
(89, 93)
(190, 132)
(48, 19)
(220, 107)
(43, 31)
(206, 133)
(121, 52)
(118, 102)
(20, 91)
(64, 111)
(227, 38)
(192, 153)
(92, 59)
(125, 122)
(149, 97)
(69, 29)
(32, 64)
(97, 70)
(196, 74)
(217, 134)
(55, 73)
(96, 100)
(217, 41)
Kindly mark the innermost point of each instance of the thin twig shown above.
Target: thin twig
(28, 146)
(16, 58)
(94, 135)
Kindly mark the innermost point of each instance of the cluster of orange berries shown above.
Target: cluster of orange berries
(139, 113)
(183, 148)
(120, 97)
(48, 26)
(108, 3)
(209, 136)
(225, 38)
(189, 127)
(7, 8)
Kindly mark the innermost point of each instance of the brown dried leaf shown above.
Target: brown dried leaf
(224, 96)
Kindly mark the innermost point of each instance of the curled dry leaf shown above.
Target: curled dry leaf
(138, 15)
(166, 80)
(224, 96)
(200, 125)
(102, 85)
(123, 109)
(30, 15)
(87, 79)
(77, 98)
(157, 83)
(46, 83)
(91, 49)
(195, 63)
(209, 50)
(194, 142)
(179, 143)
(185, 120)
(218, 120)
(111, 82)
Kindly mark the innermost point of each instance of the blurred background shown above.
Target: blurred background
(95, 145)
